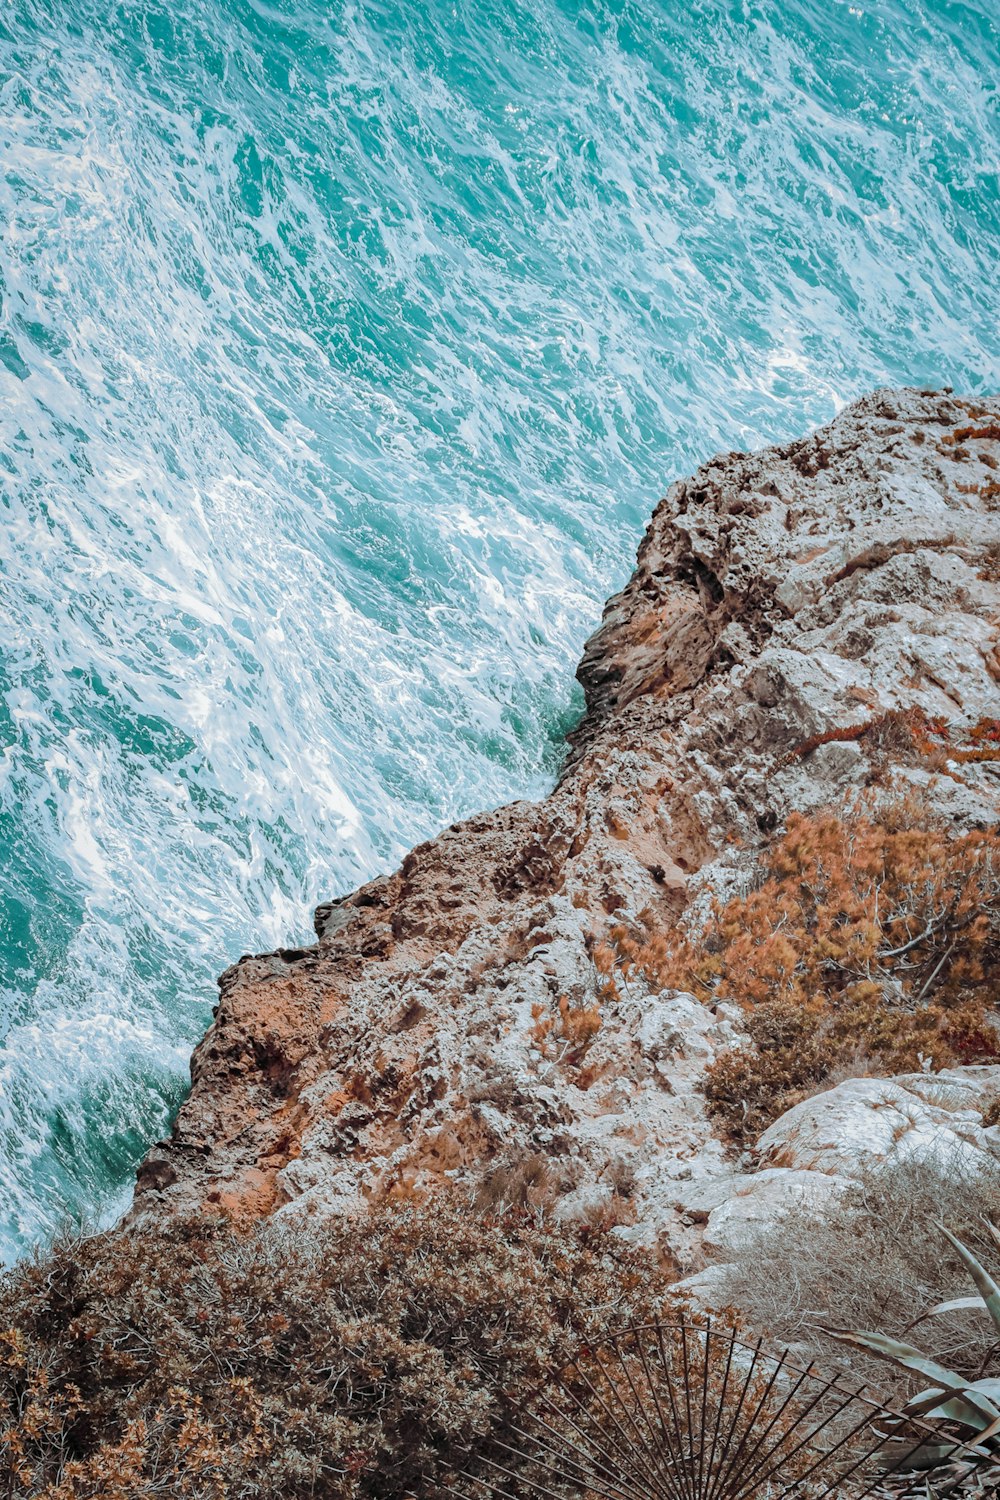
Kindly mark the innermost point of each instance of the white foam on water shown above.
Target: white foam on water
(343, 352)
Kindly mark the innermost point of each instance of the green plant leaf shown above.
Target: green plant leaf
(905, 1355)
(924, 1455)
(909, 1358)
(955, 1304)
(985, 1285)
(917, 1456)
(985, 1437)
(948, 1404)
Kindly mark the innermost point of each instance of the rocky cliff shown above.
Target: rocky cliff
(453, 1022)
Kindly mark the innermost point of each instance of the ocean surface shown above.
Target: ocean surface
(344, 351)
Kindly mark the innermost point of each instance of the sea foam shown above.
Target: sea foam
(343, 352)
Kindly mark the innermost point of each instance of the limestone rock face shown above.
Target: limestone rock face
(759, 1201)
(450, 1025)
(814, 1151)
(868, 1120)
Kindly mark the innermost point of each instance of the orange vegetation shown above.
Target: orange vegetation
(573, 1026)
(965, 434)
(869, 941)
(914, 737)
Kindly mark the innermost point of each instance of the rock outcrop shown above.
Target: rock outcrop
(815, 1151)
(452, 1023)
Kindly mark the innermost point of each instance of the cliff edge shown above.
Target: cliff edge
(454, 1021)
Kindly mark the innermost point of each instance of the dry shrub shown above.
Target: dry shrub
(578, 1025)
(909, 736)
(528, 1183)
(606, 961)
(976, 434)
(876, 1262)
(567, 1034)
(355, 1358)
(991, 1111)
(872, 934)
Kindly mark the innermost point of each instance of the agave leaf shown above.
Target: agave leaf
(924, 1455)
(985, 1285)
(952, 1405)
(984, 1437)
(977, 1444)
(905, 1355)
(909, 1358)
(955, 1304)
(989, 1385)
(916, 1456)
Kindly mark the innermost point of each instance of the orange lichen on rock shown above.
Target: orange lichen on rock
(253, 1197)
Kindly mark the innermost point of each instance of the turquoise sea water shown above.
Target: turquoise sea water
(344, 349)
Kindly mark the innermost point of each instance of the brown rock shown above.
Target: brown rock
(443, 1027)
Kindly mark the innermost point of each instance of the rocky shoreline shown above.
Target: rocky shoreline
(453, 1025)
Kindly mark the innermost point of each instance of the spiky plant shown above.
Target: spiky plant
(684, 1411)
(973, 1405)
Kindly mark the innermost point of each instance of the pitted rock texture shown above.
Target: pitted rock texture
(438, 1031)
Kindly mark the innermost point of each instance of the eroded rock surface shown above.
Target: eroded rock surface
(450, 1024)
